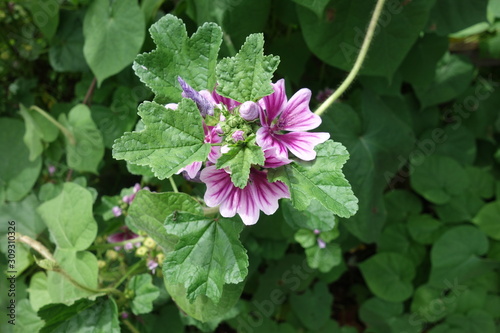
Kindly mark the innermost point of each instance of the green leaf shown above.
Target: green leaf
(38, 291)
(460, 208)
(375, 156)
(438, 178)
(145, 292)
(449, 16)
(239, 160)
(203, 308)
(81, 266)
(85, 316)
(457, 143)
(453, 75)
(324, 259)
(17, 173)
(401, 205)
(315, 216)
(475, 321)
(69, 218)
(487, 219)
(177, 55)
(114, 32)
(317, 6)
(377, 314)
(389, 276)
(88, 150)
(427, 298)
(247, 75)
(120, 117)
(395, 238)
(28, 221)
(38, 131)
(170, 141)
(455, 255)
(28, 321)
(66, 48)
(321, 180)
(337, 37)
(208, 255)
(45, 15)
(305, 237)
(419, 66)
(425, 229)
(149, 210)
(313, 307)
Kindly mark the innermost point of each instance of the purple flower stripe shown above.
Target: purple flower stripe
(258, 195)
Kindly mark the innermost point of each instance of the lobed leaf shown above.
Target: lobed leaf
(321, 180)
(208, 255)
(247, 75)
(170, 141)
(176, 54)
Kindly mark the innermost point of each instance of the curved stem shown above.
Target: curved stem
(63, 129)
(37, 246)
(172, 183)
(130, 271)
(359, 60)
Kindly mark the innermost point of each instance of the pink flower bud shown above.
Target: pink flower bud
(52, 169)
(321, 243)
(237, 136)
(116, 211)
(249, 111)
(317, 232)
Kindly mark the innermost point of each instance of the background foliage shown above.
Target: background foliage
(421, 125)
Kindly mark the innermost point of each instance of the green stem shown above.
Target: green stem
(37, 246)
(174, 186)
(112, 245)
(209, 211)
(359, 61)
(63, 129)
(229, 44)
(130, 326)
(129, 272)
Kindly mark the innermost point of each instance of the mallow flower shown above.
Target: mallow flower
(285, 122)
(276, 125)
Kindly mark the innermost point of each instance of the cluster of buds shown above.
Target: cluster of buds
(275, 124)
(127, 200)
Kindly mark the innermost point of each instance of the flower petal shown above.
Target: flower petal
(192, 169)
(274, 103)
(219, 185)
(302, 144)
(247, 206)
(266, 194)
(296, 115)
(273, 160)
(266, 139)
(228, 102)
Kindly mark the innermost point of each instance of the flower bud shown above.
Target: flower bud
(149, 242)
(117, 211)
(237, 136)
(142, 251)
(249, 111)
(101, 263)
(111, 255)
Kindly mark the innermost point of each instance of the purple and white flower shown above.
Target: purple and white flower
(292, 116)
(258, 195)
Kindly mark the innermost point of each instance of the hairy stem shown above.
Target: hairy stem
(63, 129)
(37, 246)
(359, 60)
